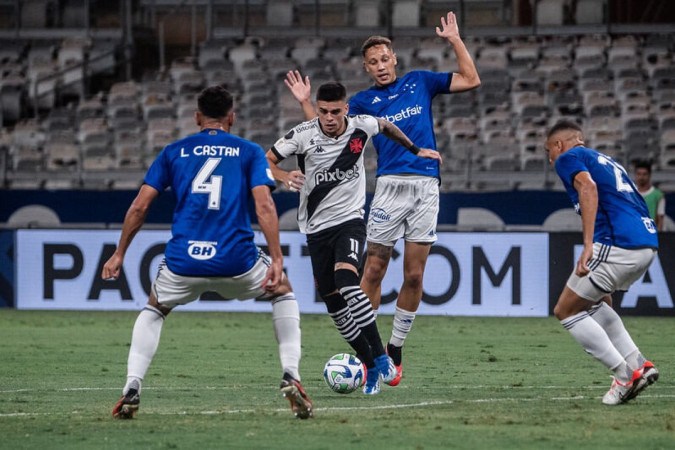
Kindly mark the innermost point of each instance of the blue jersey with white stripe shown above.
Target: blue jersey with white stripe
(212, 174)
(407, 103)
(623, 218)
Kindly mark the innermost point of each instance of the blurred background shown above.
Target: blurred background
(92, 90)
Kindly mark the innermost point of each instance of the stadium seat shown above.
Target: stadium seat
(470, 219)
(32, 216)
(550, 12)
(589, 12)
(367, 13)
(565, 219)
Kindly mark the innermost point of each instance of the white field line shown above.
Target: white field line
(239, 386)
(345, 408)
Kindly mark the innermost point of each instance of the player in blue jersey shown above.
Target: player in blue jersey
(406, 198)
(619, 244)
(213, 175)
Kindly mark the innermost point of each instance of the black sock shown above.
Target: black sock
(395, 353)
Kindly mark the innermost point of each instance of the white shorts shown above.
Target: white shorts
(612, 269)
(404, 206)
(172, 289)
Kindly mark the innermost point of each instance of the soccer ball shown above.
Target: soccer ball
(344, 373)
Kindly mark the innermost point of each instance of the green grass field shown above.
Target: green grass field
(468, 383)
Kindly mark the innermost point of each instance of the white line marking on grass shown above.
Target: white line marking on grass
(344, 408)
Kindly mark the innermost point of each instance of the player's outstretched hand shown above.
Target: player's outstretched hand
(448, 29)
(111, 269)
(430, 154)
(299, 87)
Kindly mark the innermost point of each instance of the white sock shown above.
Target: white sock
(403, 321)
(590, 335)
(144, 343)
(610, 321)
(286, 318)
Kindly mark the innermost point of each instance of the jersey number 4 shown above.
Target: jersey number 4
(204, 183)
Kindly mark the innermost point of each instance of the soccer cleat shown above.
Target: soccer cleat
(127, 406)
(372, 386)
(385, 365)
(399, 375)
(399, 368)
(622, 392)
(650, 375)
(301, 405)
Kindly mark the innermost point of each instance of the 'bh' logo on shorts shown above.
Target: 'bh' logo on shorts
(202, 250)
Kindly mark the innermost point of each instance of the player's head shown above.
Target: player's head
(562, 136)
(643, 173)
(332, 107)
(215, 107)
(379, 60)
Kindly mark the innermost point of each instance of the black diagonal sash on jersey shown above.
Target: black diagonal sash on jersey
(345, 161)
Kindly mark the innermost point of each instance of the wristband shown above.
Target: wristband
(414, 149)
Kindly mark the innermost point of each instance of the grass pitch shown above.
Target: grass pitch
(468, 383)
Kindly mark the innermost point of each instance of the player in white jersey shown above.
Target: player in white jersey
(212, 247)
(620, 243)
(406, 200)
(332, 200)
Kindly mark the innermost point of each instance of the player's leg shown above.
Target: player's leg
(286, 322)
(572, 309)
(414, 263)
(391, 205)
(321, 248)
(172, 290)
(624, 266)
(348, 250)
(420, 234)
(375, 268)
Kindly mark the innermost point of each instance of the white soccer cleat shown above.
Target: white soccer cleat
(622, 392)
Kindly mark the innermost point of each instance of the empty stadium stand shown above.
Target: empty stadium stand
(59, 134)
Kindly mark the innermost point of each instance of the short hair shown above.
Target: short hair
(331, 92)
(372, 41)
(562, 125)
(643, 164)
(215, 102)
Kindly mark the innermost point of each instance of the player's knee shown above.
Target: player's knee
(374, 273)
(345, 278)
(413, 278)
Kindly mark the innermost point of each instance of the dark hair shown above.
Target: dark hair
(331, 92)
(215, 102)
(562, 125)
(372, 41)
(643, 164)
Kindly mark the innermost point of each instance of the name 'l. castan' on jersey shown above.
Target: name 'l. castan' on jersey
(210, 150)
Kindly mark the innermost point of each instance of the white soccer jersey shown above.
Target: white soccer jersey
(335, 179)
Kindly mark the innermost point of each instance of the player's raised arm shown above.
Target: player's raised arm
(395, 134)
(302, 91)
(133, 221)
(467, 77)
